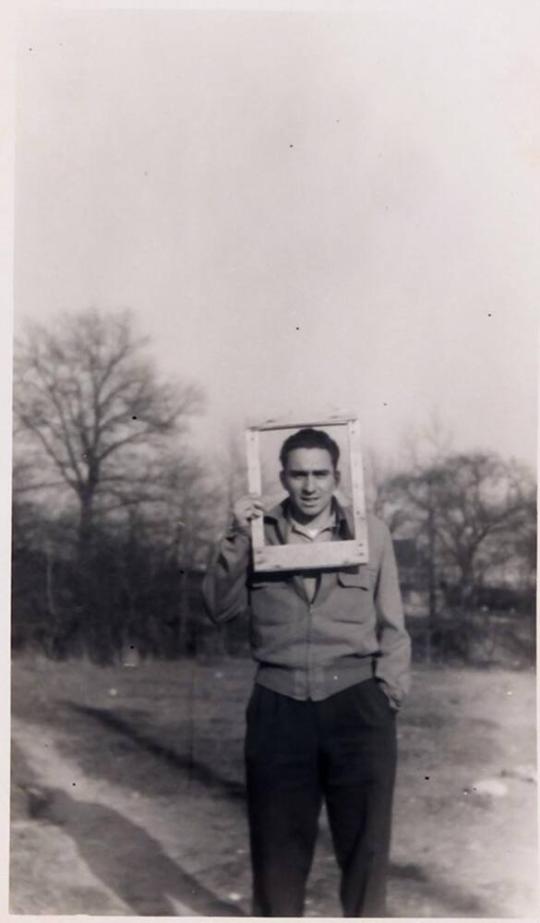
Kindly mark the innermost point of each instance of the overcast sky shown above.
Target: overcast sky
(305, 211)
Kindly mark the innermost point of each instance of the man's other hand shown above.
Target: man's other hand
(244, 510)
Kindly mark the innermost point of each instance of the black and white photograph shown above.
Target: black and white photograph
(272, 579)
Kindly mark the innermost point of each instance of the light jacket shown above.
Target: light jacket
(353, 629)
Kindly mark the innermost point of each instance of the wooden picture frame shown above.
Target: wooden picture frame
(312, 556)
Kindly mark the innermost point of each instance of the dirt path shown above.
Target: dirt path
(119, 855)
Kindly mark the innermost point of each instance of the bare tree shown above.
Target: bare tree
(469, 512)
(95, 431)
(90, 410)
(423, 449)
(483, 504)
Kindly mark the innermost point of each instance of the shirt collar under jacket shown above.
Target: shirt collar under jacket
(329, 525)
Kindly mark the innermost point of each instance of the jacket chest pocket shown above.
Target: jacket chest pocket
(359, 579)
(355, 595)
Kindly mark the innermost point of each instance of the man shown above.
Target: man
(333, 666)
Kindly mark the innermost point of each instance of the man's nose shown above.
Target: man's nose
(309, 484)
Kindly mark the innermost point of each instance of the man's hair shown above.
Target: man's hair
(309, 438)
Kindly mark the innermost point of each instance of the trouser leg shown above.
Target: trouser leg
(284, 800)
(359, 760)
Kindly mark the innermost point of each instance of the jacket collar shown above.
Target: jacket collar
(279, 516)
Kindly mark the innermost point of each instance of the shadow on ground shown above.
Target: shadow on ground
(439, 891)
(125, 857)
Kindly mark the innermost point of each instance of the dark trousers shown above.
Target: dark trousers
(342, 750)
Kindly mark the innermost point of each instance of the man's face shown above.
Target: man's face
(310, 480)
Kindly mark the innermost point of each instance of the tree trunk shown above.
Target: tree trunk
(91, 597)
(86, 517)
(184, 611)
(467, 606)
(432, 584)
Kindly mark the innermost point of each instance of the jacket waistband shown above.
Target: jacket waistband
(342, 673)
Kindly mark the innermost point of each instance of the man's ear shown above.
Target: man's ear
(337, 476)
(282, 479)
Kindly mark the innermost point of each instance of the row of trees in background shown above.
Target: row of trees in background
(114, 513)
(470, 521)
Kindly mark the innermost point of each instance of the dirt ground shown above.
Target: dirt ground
(128, 798)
